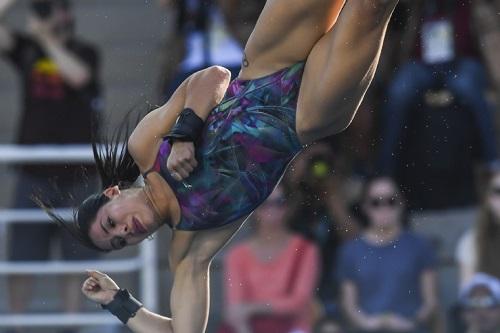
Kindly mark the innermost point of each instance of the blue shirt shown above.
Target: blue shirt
(387, 277)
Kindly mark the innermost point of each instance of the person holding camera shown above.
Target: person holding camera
(60, 91)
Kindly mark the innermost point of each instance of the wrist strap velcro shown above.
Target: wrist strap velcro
(124, 306)
(188, 127)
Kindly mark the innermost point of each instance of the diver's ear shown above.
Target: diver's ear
(112, 191)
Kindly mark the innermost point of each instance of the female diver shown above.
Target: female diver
(228, 145)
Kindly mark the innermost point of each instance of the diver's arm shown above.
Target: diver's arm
(189, 303)
(100, 288)
(201, 92)
(146, 321)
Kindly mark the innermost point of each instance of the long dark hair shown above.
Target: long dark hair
(115, 166)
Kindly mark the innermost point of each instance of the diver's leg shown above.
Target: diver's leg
(190, 296)
(340, 68)
(286, 32)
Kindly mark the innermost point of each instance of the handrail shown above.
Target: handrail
(146, 262)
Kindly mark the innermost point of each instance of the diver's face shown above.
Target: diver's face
(125, 220)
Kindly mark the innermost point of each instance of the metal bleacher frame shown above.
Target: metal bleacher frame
(145, 262)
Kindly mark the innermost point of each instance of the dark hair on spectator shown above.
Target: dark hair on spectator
(115, 166)
(487, 237)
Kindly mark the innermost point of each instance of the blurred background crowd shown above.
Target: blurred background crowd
(391, 226)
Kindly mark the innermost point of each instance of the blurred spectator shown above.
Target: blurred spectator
(478, 249)
(442, 44)
(207, 32)
(320, 213)
(387, 274)
(438, 124)
(271, 277)
(60, 90)
(480, 303)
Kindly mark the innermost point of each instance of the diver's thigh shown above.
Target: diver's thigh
(286, 32)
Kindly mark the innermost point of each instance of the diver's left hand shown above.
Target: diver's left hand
(181, 161)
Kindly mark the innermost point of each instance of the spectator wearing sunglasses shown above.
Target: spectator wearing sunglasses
(478, 249)
(480, 304)
(387, 275)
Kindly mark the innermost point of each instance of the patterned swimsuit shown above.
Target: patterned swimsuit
(245, 147)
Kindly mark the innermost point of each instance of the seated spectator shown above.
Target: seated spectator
(478, 249)
(271, 277)
(480, 304)
(443, 51)
(387, 275)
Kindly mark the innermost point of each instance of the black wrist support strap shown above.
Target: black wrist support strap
(187, 127)
(124, 306)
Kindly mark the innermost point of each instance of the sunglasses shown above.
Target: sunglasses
(382, 202)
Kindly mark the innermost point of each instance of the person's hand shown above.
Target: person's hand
(181, 161)
(99, 287)
(397, 323)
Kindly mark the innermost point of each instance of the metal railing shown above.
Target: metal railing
(145, 262)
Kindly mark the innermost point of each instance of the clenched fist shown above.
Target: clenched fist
(99, 287)
(181, 161)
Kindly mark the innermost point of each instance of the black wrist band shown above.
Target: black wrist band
(188, 127)
(124, 306)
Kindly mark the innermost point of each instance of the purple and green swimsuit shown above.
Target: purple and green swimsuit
(247, 142)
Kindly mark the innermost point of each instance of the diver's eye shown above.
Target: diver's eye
(111, 223)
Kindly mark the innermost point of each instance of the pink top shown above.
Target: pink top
(249, 280)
